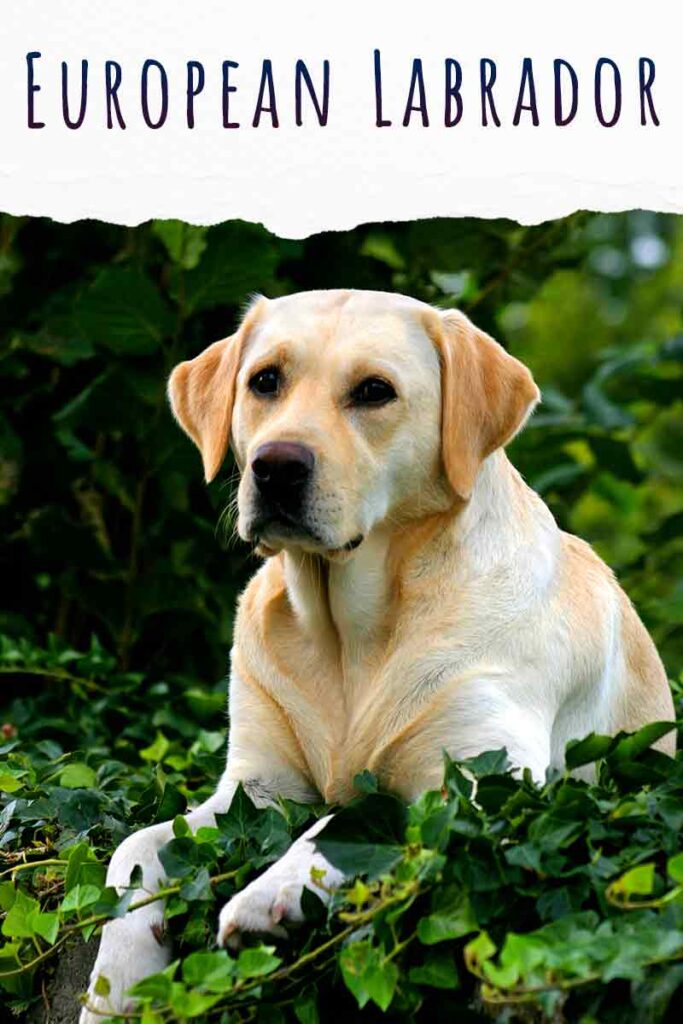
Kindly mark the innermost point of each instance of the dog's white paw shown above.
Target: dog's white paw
(266, 905)
(274, 898)
(130, 950)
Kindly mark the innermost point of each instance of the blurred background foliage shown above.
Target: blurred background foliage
(106, 526)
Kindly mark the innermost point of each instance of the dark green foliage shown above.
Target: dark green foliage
(106, 525)
(561, 902)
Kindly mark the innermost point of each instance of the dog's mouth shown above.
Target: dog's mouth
(280, 530)
(351, 545)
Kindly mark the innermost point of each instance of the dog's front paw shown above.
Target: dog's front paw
(266, 906)
(130, 950)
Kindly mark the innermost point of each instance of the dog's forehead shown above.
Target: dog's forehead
(343, 321)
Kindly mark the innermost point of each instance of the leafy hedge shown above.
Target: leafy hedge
(561, 902)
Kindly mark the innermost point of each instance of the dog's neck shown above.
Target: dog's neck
(342, 604)
(351, 604)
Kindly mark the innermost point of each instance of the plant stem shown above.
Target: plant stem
(52, 673)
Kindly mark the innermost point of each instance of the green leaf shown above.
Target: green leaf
(82, 867)
(380, 981)
(102, 986)
(239, 259)
(368, 975)
(628, 747)
(451, 917)
(199, 888)
(77, 776)
(123, 311)
(181, 827)
(45, 924)
(8, 895)
(354, 960)
(479, 949)
(156, 986)
(674, 867)
(490, 762)
(184, 243)
(438, 970)
(257, 962)
(365, 782)
(214, 972)
(188, 1004)
(365, 836)
(78, 898)
(181, 857)
(239, 820)
(10, 783)
(18, 921)
(639, 881)
(157, 750)
(588, 750)
(306, 1007)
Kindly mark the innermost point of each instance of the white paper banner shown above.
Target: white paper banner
(602, 67)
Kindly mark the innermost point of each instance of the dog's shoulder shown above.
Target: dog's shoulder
(266, 592)
(584, 570)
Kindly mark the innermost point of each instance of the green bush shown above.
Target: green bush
(565, 900)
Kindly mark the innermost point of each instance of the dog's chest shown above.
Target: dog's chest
(358, 715)
(375, 703)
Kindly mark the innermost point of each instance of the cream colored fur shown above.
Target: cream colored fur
(464, 621)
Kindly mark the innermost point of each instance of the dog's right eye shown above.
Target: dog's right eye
(265, 382)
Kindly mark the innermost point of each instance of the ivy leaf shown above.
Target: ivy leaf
(639, 881)
(438, 970)
(239, 259)
(368, 974)
(213, 971)
(181, 857)
(587, 750)
(254, 963)
(45, 924)
(124, 312)
(629, 747)
(306, 1007)
(675, 868)
(17, 923)
(157, 750)
(451, 917)
(240, 818)
(77, 776)
(380, 982)
(78, 898)
(366, 836)
(184, 243)
(365, 782)
(199, 888)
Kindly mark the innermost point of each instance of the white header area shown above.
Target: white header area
(527, 110)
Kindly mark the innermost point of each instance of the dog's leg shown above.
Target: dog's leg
(274, 898)
(134, 946)
(488, 713)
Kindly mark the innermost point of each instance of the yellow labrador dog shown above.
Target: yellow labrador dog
(415, 596)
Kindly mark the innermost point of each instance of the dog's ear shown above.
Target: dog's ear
(486, 397)
(202, 392)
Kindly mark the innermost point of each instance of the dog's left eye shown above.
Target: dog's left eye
(265, 382)
(373, 391)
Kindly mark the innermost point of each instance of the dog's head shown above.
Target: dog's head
(347, 410)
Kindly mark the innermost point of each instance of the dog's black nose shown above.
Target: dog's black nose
(281, 469)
